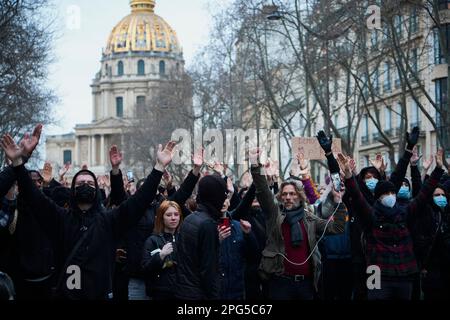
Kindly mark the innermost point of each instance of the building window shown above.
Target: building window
(441, 98)
(374, 39)
(414, 62)
(415, 114)
(387, 76)
(120, 68)
(444, 4)
(141, 68)
(365, 130)
(397, 78)
(398, 25)
(376, 81)
(162, 68)
(399, 115)
(413, 21)
(388, 119)
(67, 156)
(140, 105)
(119, 107)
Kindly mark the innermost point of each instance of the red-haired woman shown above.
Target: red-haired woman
(159, 258)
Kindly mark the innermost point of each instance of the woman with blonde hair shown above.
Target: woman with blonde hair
(159, 258)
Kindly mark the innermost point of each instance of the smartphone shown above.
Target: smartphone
(225, 222)
(130, 176)
(336, 178)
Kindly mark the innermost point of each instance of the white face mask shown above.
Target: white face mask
(389, 201)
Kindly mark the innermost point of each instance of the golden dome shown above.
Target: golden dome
(142, 30)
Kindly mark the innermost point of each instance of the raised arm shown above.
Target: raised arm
(416, 180)
(188, 185)
(129, 212)
(263, 194)
(400, 171)
(118, 194)
(358, 201)
(49, 214)
(244, 206)
(416, 206)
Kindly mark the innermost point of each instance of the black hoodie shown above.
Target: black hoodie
(95, 256)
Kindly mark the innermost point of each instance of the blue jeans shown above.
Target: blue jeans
(281, 288)
(136, 289)
(392, 290)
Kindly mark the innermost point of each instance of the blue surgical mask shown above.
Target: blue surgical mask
(371, 184)
(404, 193)
(389, 201)
(440, 201)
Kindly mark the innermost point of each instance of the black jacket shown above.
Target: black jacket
(198, 258)
(134, 241)
(160, 276)
(95, 257)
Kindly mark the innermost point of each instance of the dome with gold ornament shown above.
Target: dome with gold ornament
(143, 31)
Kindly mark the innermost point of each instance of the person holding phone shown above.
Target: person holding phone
(160, 258)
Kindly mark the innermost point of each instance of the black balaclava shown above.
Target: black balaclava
(212, 192)
(97, 199)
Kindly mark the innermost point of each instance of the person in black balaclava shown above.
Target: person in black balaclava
(84, 235)
(198, 245)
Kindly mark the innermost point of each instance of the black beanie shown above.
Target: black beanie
(383, 187)
(212, 192)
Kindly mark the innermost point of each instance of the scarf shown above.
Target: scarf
(292, 218)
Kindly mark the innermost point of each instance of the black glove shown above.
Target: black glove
(324, 141)
(412, 138)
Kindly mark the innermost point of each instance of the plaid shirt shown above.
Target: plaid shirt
(389, 244)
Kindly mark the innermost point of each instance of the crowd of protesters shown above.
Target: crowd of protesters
(112, 238)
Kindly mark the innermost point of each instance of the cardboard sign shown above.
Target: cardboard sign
(311, 148)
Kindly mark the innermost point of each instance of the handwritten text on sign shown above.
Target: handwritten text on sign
(311, 149)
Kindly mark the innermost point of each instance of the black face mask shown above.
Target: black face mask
(85, 194)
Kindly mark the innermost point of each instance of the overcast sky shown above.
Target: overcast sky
(78, 50)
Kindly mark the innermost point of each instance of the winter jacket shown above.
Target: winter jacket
(96, 255)
(235, 251)
(389, 243)
(198, 257)
(160, 275)
(272, 259)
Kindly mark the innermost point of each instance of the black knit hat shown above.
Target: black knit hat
(383, 187)
(212, 192)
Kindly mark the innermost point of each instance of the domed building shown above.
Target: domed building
(142, 52)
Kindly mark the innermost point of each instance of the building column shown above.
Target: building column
(102, 150)
(93, 151)
(75, 160)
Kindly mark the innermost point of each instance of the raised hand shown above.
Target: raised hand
(427, 163)
(84, 166)
(219, 168)
(47, 173)
(440, 158)
(246, 180)
(164, 156)
(246, 226)
(325, 142)
(115, 157)
(62, 172)
(12, 150)
(378, 163)
(253, 156)
(415, 157)
(167, 178)
(198, 159)
(295, 167)
(345, 165)
(352, 164)
(29, 143)
(230, 187)
(413, 138)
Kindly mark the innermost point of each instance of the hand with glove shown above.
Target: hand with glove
(325, 142)
(412, 139)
